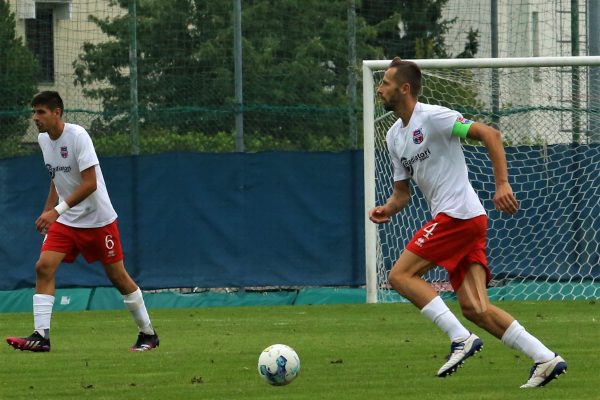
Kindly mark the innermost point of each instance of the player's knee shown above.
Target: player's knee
(43, 269)
(120, 279)
(397, 278)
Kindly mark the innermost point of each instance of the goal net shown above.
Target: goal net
(547, 110)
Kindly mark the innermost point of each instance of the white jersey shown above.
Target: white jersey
(65, 158)
(426, 151)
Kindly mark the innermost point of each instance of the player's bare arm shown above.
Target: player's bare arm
(51, 201)
(85, 188)
(52, 197)
(504, 199)
(396, 202)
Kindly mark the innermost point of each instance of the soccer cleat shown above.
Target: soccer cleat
(145, 342)
(543, 373)
(459, 352)
(35, 342)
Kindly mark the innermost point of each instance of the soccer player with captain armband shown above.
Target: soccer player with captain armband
(424, 146)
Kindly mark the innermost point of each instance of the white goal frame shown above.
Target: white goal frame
(369, 130)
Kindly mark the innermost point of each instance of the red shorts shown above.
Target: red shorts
(95, 244)
(453, 244)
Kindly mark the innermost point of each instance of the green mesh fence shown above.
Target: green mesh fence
(156, 76)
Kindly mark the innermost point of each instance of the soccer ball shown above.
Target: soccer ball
(278, 364)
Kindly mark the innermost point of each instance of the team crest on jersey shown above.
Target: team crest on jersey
(64, 153)
(418, 136)
(463, 120)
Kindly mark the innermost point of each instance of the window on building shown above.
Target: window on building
(39, 33)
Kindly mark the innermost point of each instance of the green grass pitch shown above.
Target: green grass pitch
(385, 351)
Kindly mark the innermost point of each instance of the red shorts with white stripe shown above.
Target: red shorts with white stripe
(454, 244)
(95, 244)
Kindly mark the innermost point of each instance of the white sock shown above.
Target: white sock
(42, 313)
(519, 339)
(136, 306)
(439, 313)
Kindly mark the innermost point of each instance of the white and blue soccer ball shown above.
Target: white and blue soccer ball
(278, 364)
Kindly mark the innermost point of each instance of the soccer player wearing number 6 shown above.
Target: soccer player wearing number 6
(78, 218)
(424, 145)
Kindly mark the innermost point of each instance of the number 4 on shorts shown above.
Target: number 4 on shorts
(429, 230)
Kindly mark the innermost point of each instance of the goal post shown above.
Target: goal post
(549, 117)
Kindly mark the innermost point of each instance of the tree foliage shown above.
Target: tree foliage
(295, 62)
(18, 77)
(409, 28)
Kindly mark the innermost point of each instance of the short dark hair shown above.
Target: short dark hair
(50, 99)
(407, 72)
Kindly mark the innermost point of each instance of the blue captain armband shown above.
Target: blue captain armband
(461, 127)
